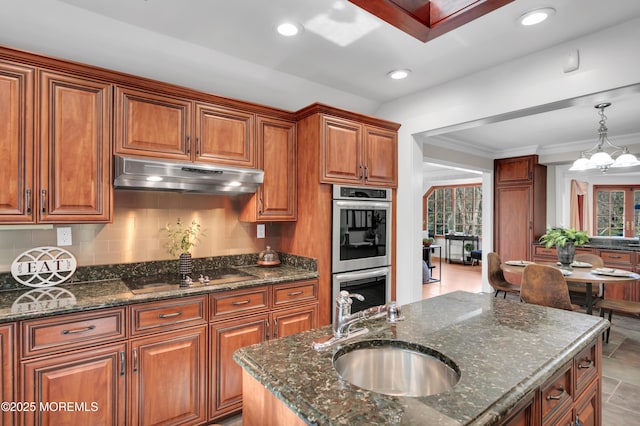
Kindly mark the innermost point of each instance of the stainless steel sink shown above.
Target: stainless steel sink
(396, 368)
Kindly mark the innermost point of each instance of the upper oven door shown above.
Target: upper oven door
(360, 235)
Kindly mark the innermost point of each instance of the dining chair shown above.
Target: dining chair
(578, 292)
(620, 306)
(545, 285)
(496, 277)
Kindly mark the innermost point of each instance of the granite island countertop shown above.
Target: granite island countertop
(504, 349)
(26, 302)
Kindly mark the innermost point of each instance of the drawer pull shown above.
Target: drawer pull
(135, 360)
(79, 330)
(123, 364)
(556, 397)
(240, 302)
(615, 257)
(294, 293)
(171, 315)
(587, 365)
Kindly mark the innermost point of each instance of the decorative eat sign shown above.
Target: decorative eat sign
(43, 267)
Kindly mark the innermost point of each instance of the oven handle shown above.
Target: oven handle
(363, 204)
(348, 276)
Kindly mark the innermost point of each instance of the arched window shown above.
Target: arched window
(453, 209)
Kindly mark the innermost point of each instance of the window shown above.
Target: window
(453, 209)
(617, 210)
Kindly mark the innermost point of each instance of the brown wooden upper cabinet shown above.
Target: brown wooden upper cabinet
(72, 182)
(157, 125)
(356, 153)
(275, 200)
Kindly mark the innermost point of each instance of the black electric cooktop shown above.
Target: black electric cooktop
(164, 282)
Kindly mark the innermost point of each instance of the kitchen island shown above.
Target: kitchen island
(512, 358)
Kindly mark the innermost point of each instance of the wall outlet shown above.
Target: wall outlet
(260, 230)
(64, 236)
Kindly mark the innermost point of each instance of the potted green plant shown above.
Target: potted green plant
(181, 239)
(427, 242)
(565, 240)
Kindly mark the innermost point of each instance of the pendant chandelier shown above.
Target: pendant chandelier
(597, 157)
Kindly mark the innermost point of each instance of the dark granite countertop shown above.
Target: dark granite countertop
(503, 348)
(27, 302)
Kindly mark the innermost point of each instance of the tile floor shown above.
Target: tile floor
(621, 356)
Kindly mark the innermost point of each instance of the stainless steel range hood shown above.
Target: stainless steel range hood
(159, 175)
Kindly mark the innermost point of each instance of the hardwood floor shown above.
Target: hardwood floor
(620, 358)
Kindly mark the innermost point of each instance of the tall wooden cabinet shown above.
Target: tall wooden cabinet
(520, 186)
(16, 142)
(62, 174)
(276, 199)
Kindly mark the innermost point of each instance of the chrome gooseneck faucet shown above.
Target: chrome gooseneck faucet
(344, 319)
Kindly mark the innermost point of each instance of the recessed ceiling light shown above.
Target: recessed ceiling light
(289, 29)
(399, 74)
(536, 16)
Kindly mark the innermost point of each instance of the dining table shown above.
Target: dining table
(586, 275)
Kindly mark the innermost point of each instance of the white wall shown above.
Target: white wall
(608, 60)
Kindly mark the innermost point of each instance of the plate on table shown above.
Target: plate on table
(565, 272)
(578, 264)
(518, 262)
(612, 272)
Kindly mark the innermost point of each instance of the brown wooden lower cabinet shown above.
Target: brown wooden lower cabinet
(168, 378)
(92, 379)
(7, 357)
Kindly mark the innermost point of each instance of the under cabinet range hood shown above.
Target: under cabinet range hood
(159, 175)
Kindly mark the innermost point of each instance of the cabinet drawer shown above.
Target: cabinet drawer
(64, 332)
(556, 392)
(236, 302)
(545, 252)
(168, 314)
(284, 294)
(586, 368)
(615, 256)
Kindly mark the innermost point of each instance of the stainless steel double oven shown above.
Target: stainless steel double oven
(361, 244)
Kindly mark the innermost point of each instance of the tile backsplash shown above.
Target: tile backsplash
(135, 236)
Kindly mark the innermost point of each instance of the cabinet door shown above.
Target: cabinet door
(292, 321)
(226, 374)
(75, 150)
(341, 151)
(7, 391)
(152, 125)
(16, 143)
(224, 136)
(381, 157)
(277, 195)
(168, 376)
(587, 406)
(93, 380)
(513, 222)
(516, 170)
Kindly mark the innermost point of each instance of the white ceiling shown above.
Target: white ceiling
(342, 57)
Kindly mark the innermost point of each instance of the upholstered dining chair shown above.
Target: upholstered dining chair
(496, 277)
(577, 292)
(545, 285)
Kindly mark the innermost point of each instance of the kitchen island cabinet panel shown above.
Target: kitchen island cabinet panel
(152, 125)
(74, 150)
(168, 378)
(16, 142)
(93, 378)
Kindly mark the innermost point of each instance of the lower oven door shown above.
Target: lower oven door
(373, 284)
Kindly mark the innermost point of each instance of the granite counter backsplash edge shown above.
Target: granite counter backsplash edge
(138, 269)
